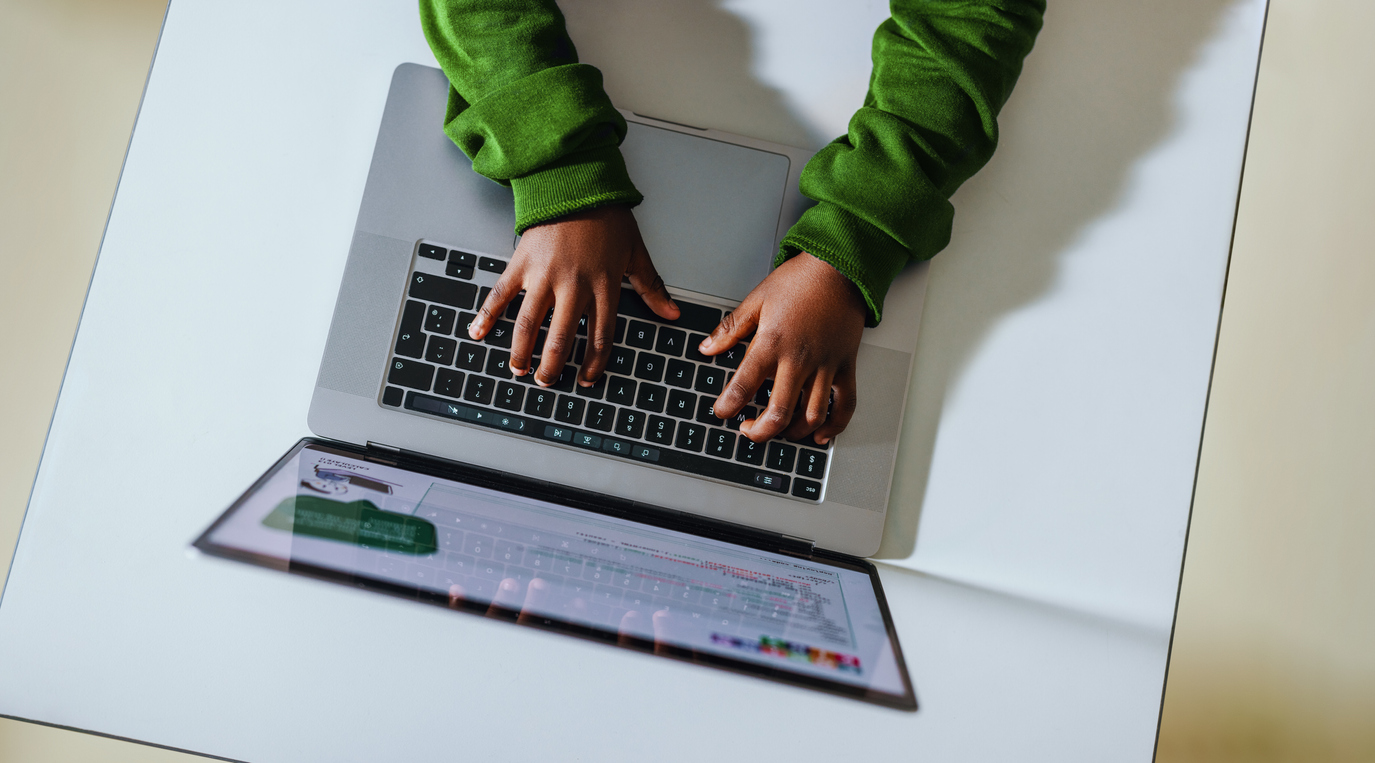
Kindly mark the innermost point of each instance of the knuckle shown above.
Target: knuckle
(527, 322)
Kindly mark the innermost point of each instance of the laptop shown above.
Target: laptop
(626, 511)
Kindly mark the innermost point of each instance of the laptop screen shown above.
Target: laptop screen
(470, 545)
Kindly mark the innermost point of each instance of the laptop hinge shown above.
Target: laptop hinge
(795, 546)
(380, 453)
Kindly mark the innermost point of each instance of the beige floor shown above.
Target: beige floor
(1271, 659)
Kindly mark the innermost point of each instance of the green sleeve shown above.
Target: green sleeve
(942, 71)
(524, 110)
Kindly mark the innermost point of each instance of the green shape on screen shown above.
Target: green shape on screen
(357, 522)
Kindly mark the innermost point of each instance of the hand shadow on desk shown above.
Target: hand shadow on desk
(1095, 97)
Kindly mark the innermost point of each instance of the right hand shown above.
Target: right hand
(574, 265)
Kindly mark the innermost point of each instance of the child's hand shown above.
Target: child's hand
(573, 264)
(807, 320)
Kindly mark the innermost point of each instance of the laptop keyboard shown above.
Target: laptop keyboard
(652, 406)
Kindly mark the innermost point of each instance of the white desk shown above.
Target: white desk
(1051, 436)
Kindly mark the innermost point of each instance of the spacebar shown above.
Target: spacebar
(454, 410)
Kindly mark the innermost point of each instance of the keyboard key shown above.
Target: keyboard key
(568, 379)
(745, 414)
(433, 252)
(775, 482)
(410, 373)
(392, 396)
(491, 265)
(622, 361)
(482, 295)
(731, 358)
(586, 440)
(440, 320)
(580, 351)
(682, 404)
(761, 397)
(464, 259)
(455, 270)
(441, 350)
(806, 489)
(540, 402)
(811, 463)
(720, 443)
(640, 334)
(781, 456)
(582, 327)
(671, 342)
(644, 453)
(630, 423)
(479, 389)
(748, 451)
(513, 307)
(498, 364)
(409, 340)
(651, 398)
(501, 334)
(660, 430)
(464, 323)
(704, 412)
(471, 357)
(693, 341)
(620, 390)
(448, 382)
(569, 410)
(601, 416)
(445, 291)
(620, 330)
(710, 380)
(679, 373)
(691, 316)
(562, 434)
(616, 446)
(650, 367)
(595, 391)
(509, 396)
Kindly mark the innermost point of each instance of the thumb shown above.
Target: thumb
(734, 328)
(648, 284)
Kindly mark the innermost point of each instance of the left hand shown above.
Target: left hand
(807, 320)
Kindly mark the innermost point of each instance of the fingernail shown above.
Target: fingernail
(584, 383)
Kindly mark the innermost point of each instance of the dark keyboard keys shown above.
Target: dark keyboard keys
(569, 410)
(640, 334)
(470, 357)
(465, 322)
(445, 291)
(491, 265)
(690, 437)
(410, 373)
(622, 361)
(775, 482)
(679, 373)
(670, 342)
(630, 423)
(501, 334)
(781, 456)
(748, 451)
(660, 430)
(620, 330)
(432, 252)
(580, 351)
(619, 447)
(568, 379)
(682, 404)
(651, 398)
(513, 307)
(455, 270)
(693, 341)
(704, 412)
(509, 396)
(650, 367)
(720, 443)
(479, 389)
(807, 489)
(440, 320)
(710, 380)
(620, 390)
(448, 382)
(462, 259)
(761, 397)
(499, 364)
(596, 391)
(731, 358)
(811, 463)
(582, 326)
(540, 402)
(745, 414)
(601, 417)
(393, 396)
(409, 340)
(441, 350)
(482, 295)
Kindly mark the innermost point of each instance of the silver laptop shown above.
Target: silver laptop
(399, 373)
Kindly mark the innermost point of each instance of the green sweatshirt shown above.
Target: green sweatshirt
(531, 117)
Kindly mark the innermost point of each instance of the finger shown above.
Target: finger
(537, 597)
(506, 289)
(663, 630)
(634, 625)
(563, 335)
(813, 405)
(842, 407)
(532, 310)
(760, 360)
(457, 596)
(508, 597)
(601, 322)
(645, 279)
(734, 327)
(787, 385)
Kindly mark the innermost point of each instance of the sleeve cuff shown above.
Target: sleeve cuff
(860, 250)
(581, 181)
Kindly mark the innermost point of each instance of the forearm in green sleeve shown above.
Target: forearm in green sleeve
(524, 110)
(942, 71)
